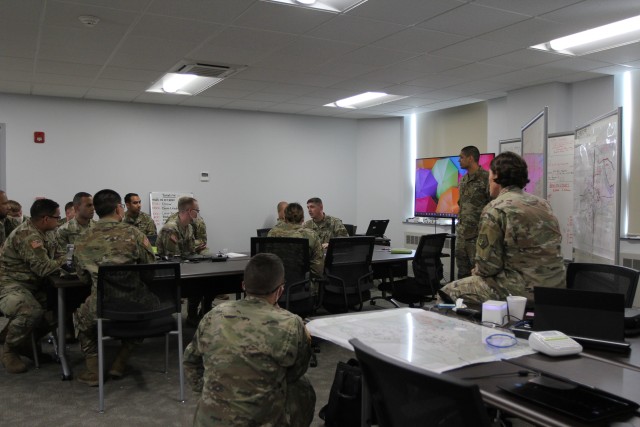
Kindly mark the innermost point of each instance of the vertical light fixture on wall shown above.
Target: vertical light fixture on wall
(627, 123)
(413, 148)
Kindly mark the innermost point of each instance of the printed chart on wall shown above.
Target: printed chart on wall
(596, 201)
(163, 204)
(534, 144)
(513, 145)
(560, 186)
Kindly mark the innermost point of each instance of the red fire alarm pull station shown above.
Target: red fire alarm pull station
(38, 137)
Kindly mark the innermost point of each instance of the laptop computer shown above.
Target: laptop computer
(377, 227)
(594, 319)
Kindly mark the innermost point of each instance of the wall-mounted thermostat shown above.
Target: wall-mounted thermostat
(204, 176)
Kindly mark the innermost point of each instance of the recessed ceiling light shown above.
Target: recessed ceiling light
(365, 100)
(335, 6)
(596, 39)
(183, 84)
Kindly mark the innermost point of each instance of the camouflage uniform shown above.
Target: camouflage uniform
(68, 232)
(474, 196)
(327, 228)
(7, 225)
(316, 255)
(108, 242)
(248, 358)
(199, 230)
(27, 258)
(173, 239)
(518, 248)
(279, 223)
(144, 223)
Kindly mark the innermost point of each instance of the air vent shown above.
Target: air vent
(207, 70)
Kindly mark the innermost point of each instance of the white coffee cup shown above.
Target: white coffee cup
(516, 306)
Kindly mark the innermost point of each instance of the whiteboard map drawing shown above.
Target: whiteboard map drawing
(596, 202)
(560, 186)
(425, 339)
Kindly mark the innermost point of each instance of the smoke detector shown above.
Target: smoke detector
(88, 20)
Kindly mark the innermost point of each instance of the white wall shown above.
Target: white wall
(379, 177)
(254, 159)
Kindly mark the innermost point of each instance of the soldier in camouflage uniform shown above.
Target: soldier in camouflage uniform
(518, 243)
(139, 219)
(474, 195)
(280, 209)
(176, 235)
(110, 241)
(15, 212)
(68, 232)
(249, 357)
(325, 226)
(28, 258)
(7, 223)
(69, 213)
(292, 227)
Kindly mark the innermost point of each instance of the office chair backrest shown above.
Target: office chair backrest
(263, 232)
(604, 278)
(351, 229)
(293, 251)
(427, 266)
(405, 395)
(138, 292)
(350, 250)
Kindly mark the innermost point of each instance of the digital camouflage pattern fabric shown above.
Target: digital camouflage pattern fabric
(518, 248)
(144, 223)
(174, 239)
(69, 232)
(7, 225)
(199, 230)
(27, 258)
(327, 228)
(474, 196)
(316, 255)
(248, 358)
(108, 242)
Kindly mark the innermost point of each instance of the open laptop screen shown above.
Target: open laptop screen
(377, 227)
(579, 313)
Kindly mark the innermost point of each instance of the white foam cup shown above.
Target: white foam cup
(516, 307)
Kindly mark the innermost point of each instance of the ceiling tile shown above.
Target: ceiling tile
(618, 55)
(352, 29)
(112, 94)
(478, 70)
(593, 13)
(530, 32)
(475, 50)
(524, 58)
(418, 40)
(412, 12)
(59, 90)
(376, 56)
(528, 7)
(220, 11)
(283, 18)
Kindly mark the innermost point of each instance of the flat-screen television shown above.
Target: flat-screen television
(437, 181)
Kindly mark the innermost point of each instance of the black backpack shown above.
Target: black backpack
(345, 397)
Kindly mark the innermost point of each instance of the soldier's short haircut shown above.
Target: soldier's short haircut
(315, 201)
(43, 207)
(510, 169)
(473, 151)
(281, 205)
(185, 203)
(77, 199)
(263, 274)
(294, 213)
(68, 206)
(14, 206)
(105, 202)
(128, 196)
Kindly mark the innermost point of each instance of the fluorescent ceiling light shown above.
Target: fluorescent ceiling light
(596, 39)
(183, 84)
(335, 6)
(364, 100)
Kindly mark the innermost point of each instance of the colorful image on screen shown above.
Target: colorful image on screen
(437, 181)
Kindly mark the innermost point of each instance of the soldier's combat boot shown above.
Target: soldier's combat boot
(120, 363)
(11, 360)
(90, 376)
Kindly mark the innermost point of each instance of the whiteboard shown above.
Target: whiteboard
(596, 201)
(560, 186)
(164, 204)
(513, 145)
(534, 145)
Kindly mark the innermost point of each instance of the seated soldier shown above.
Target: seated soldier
(248, 357)
(15, 212)
(27, 259)
(68, 232)
(518, 243)
(325, 226)
(139, 219)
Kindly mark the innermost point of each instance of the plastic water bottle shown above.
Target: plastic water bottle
(70, 248)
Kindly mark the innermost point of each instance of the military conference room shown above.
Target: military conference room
(319, 212)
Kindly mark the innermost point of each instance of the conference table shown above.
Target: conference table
(446, 343)
(196, 278)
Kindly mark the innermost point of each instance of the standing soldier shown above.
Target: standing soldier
(474, 195)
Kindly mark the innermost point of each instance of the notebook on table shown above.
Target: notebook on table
(594, 319)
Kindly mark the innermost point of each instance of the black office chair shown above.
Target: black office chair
(294, 253)
(604, 278)
(262, 232)
(351, 229)
(428, 271)
(348, 274)
(139, 301)
(405, 395)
